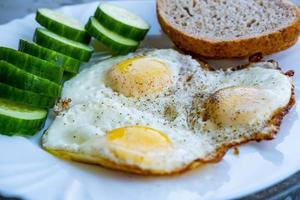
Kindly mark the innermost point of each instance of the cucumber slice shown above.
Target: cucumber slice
(26, 97)
(122, 21)
(18, 119)
(62, 25)
(32, 64)
(21, 79)
(117, 43)
(63, 45)
(67, 63)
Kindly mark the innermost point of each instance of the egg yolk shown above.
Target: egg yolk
(235, 106)
(138, 77)
(132, 143)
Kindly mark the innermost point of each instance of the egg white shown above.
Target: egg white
(179, 112)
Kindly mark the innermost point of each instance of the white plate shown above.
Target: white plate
(28, 171)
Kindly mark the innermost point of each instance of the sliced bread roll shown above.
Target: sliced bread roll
(230, 28)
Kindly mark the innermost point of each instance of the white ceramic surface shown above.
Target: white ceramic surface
(28, 171)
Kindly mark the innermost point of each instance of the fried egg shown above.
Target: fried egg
(161, 112)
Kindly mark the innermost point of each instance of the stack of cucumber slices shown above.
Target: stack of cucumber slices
(28, 87)
(63, 40)
(117, 28)
(31, 78)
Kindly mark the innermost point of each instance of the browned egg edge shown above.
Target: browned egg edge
(212, 158)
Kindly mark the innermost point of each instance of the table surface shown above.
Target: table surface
(288, 189)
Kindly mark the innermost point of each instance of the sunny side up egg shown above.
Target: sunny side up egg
(161, 112)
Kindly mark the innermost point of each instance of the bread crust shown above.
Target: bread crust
(265, 44)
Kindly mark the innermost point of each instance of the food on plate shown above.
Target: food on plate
(21, 79)
(67, 63)
(26, 97)
(64, 41)
(118, 43)
(139, 76)
(28, 86)
(31, 78)
(32, 64)
(228, 28)
(63, 45)
(122, 21)
(161, 112)
(18, 119)
(117, 28)
(62, 24)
